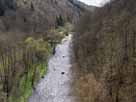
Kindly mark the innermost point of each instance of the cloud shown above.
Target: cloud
(94, 2)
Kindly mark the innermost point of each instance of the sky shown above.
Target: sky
(94, 2)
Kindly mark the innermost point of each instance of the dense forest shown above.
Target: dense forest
(105, 52)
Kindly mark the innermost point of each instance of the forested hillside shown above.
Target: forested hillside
(36, 15)
(105, 52)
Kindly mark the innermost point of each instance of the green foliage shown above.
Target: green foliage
(22, 69)
(59, 33)
(40, 47)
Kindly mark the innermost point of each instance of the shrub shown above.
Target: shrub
(42, 48)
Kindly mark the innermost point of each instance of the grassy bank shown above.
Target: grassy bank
(21, 68)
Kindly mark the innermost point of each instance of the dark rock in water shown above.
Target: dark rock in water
(62, 73)
(42, 76)
(34, 88)
(54, 51)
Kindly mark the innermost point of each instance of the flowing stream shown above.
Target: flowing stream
(56, 85)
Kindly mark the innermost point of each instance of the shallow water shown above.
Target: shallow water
(56, 85)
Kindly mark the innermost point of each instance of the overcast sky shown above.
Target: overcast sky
(94, 2)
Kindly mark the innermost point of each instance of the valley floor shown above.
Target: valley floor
(56, 85)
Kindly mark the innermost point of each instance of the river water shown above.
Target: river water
(56, 85)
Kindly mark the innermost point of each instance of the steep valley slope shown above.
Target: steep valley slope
(105, 52)
(36, 15)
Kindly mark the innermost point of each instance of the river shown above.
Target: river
(56, 85)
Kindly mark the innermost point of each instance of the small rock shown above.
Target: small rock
(62, 73)
(42, 77)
